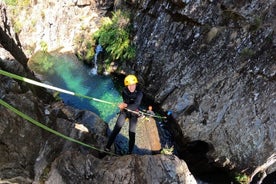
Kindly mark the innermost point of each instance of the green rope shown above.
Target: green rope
(70, 92)
(26, 117)
(95, 99)
(30, 81)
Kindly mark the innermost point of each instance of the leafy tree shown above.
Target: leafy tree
(115, 37)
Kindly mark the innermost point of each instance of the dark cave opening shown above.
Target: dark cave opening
(269, 179)
(194, 153)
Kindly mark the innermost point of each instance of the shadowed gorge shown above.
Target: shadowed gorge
(211, 64)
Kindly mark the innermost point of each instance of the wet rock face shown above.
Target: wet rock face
(213, 65)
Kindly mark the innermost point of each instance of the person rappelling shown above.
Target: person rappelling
(129, 108)
(132, 98)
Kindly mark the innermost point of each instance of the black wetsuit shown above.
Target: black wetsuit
(133, 101)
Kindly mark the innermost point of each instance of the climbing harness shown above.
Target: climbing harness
(141, 113)
(26, 117)
(30, 81)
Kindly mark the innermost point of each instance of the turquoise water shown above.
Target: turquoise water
(70, 74)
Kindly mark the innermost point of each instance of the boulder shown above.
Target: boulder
(73, 167)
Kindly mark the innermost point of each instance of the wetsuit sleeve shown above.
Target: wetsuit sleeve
(134, 106)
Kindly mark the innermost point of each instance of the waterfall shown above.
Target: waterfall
(95, 68)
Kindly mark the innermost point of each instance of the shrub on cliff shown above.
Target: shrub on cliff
(114, 36)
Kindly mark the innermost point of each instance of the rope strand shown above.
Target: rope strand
(30, 81)
(28, 118)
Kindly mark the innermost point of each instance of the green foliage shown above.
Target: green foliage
(56, 96)
(44, 175)
(256, 24)
(85, 49)
(247, 53)
(44, 46)
(16, 8)
(41, 62)
(23, 2)
(241, 178)
(11, 2)
(17, 26)
(90, 51)
(17, 2)
(167, 151)
(115, 36)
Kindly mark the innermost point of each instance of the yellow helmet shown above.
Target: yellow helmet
(130, 79)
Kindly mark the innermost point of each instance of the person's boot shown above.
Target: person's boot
(131, 142)
(112, 137)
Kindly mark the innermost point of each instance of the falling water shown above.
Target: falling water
(97, 51)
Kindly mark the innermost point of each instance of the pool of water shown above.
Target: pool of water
(66, 72)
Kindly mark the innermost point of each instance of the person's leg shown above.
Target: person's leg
(132, 132)
(131, 142)
(119, 124)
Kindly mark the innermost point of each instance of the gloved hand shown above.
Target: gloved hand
(122, 106)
